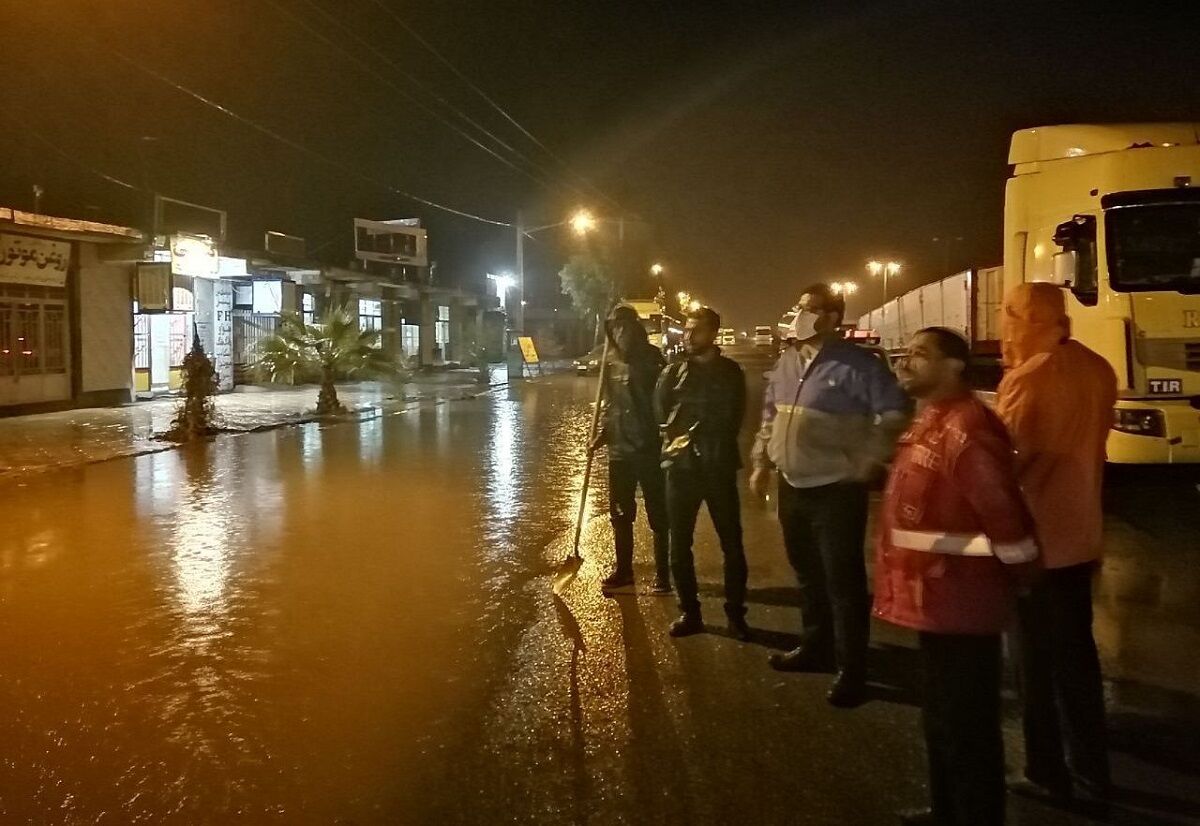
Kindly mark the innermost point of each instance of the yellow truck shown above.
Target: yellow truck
(1111, 213)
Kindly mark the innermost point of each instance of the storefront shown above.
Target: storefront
(64, 311)
(185, 293)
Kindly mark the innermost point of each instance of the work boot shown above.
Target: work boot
(804, 658)
(849, 690)
(738, 629)
(661, 586)
(616, 580)
(689, 623)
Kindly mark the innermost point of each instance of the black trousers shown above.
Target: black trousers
(961, 718)
(686, 491)
(1061, 682)
(625, 476)
(823, 531)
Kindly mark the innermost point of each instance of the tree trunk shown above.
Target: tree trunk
(327, 401)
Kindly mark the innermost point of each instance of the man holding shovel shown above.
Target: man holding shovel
(630, 432)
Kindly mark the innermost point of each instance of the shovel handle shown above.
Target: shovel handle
(587, 468)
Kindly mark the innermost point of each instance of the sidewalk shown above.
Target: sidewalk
(46, 441)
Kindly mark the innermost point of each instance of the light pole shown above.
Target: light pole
(844, 288)
(888, 268)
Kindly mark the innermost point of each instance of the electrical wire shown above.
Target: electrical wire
(295, 145)
(488, 99)
(58, 150)
(427, 90)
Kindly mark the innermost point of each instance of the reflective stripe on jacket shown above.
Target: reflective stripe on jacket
(953, 524)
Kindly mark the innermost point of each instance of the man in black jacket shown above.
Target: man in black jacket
(700, 403)
(631, 433)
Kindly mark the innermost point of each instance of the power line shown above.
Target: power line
(425, 88)
(487, 98)
(299, 147)
(58, 150)
(431, 112)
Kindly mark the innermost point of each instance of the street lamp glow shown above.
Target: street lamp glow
(893, 267)
(694, 305)
(684, 297)
(656, 269)
(583, 222)
(874, 267)
(844, 287)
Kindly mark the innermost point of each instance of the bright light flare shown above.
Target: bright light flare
(656, 269)
(583, 222)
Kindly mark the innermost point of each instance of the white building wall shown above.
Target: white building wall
(105, 323)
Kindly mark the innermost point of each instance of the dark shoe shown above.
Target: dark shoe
(661, 586)
(689, 623)
(738, 629)
(801, 659)
(1037, 790)
(919, 817)
(617, 579)
(848, 691)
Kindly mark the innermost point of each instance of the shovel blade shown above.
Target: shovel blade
(566, 573)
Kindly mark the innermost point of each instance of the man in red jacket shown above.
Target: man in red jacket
(955, 535)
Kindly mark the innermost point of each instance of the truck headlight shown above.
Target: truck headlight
(1139, 422)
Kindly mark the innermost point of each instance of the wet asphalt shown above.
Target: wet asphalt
(353, 624)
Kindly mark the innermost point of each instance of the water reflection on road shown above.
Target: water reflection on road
(352, 623)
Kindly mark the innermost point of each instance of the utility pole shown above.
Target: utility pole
(519, 315)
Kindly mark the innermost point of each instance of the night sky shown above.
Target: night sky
(760, 146)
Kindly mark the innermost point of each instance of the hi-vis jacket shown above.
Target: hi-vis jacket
(954, 529)
(832, 419)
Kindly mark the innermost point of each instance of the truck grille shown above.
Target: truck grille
(1171, 353)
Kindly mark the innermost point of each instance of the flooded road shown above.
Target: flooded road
(353, 624)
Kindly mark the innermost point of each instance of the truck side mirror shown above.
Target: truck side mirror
(1066, 266)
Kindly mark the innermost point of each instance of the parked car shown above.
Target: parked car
(764, 336)
(726, 337)
(587, 364)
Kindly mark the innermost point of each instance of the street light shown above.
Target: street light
(694, 304)
(886, 269)
(684, 297)
(656, 270)
(583, 222)
(843, 287)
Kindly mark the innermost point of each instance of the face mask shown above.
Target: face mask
(804, 326)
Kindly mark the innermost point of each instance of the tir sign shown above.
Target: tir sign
(1166, 386)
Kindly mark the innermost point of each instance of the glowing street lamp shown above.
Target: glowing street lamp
(844, 287)
(583, 222)
(684, 297)
(886, 269)
(656, 270)
(694, 304)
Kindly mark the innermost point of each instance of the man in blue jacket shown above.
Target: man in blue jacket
(832, 413)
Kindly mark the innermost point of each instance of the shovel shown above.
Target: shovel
(569, 567)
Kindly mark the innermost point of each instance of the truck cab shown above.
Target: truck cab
(1111, 213)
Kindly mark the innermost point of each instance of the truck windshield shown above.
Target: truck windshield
(1154, 247)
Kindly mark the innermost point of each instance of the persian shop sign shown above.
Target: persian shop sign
(194, 255)
(38, 262)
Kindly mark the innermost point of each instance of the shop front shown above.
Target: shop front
(64, 311)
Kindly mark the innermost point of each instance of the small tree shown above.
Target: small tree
(589, 282)
(196, 417)
(331, 349)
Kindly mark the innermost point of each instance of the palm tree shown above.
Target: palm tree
(332, 348)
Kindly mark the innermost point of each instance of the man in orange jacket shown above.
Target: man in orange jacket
(954, 544)
(1057, 400)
